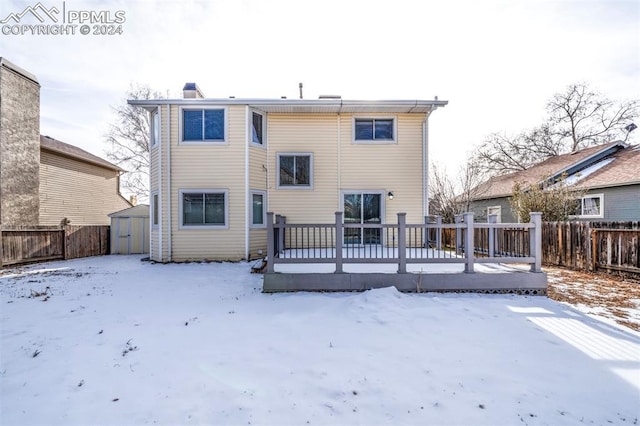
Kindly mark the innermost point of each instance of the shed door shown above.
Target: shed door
(123, 232)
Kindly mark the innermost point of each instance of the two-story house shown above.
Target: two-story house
(218, 165)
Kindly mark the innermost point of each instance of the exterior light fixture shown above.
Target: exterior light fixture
(390, 195)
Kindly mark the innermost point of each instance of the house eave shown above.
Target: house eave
(313, 106)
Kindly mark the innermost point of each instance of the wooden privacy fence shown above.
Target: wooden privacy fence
(40, 243)
(591, 246)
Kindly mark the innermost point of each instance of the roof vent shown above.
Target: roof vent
(191, 91)
(329, 97)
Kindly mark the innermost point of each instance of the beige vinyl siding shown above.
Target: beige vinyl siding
(81, 192)
(395, 167)
(258, 181)
(210, 166)
(316, 134)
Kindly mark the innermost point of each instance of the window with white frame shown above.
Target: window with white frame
(374, 130)
(155, 127)
(592, 205)
(203, 208)
(258, 209)
(258, 128)
(155, 210)
(295, 170)
(496, 211)
(203, 125)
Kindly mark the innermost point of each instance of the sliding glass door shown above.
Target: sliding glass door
(362, 208)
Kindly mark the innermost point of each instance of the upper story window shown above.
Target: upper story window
(295, 170)
(155, 128)
(257, 128)
(203, 125)
(374, 129)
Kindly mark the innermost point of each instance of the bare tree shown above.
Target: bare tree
(577, 118)
(451, 196)
(128, 139)
(581, 117)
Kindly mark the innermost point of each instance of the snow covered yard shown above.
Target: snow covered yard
(112, 340)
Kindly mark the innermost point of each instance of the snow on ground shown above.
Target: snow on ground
(113, 340)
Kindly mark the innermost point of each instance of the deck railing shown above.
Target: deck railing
(464, 242)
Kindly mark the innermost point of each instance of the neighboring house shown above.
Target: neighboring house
(77, 185)
(609, 173)
(218, 166)
(44, 181)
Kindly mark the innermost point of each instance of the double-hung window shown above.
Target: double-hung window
(295, 170)
(203, 125)
(258, 209)
(204, 208)
(374, 130)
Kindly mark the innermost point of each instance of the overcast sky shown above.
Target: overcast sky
(496, 62)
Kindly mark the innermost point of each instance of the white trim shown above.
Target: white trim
(248, 135)
(297, 154)
(394, 137)
(264, 208)
(588, 216)
(161, 199)
(181, 192)
(252, 111)
(204, 107)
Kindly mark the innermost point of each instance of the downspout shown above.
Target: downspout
(425, 164)
(247, 116)
(160, 196)
(169, 248)
(339, 180)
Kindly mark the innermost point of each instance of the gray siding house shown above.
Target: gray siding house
(609, 173)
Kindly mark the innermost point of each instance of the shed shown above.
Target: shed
(130, 230)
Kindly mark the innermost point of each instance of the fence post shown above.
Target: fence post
(594, 250)
(492, 218)
(535, 241)
(402, 243)
(458, 219)
(1, 255)
(468, 242)
(271, 252)
(339, 238)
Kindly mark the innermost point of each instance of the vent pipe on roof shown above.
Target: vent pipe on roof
(300, 87)
(192, 91)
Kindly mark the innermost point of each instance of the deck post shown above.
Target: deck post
(402, 243)
(280, 220)
(339, 238)
(270, 243)
(439, 232)
(492, 218)
(458, 219)
(468, 242)
(535, 241)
